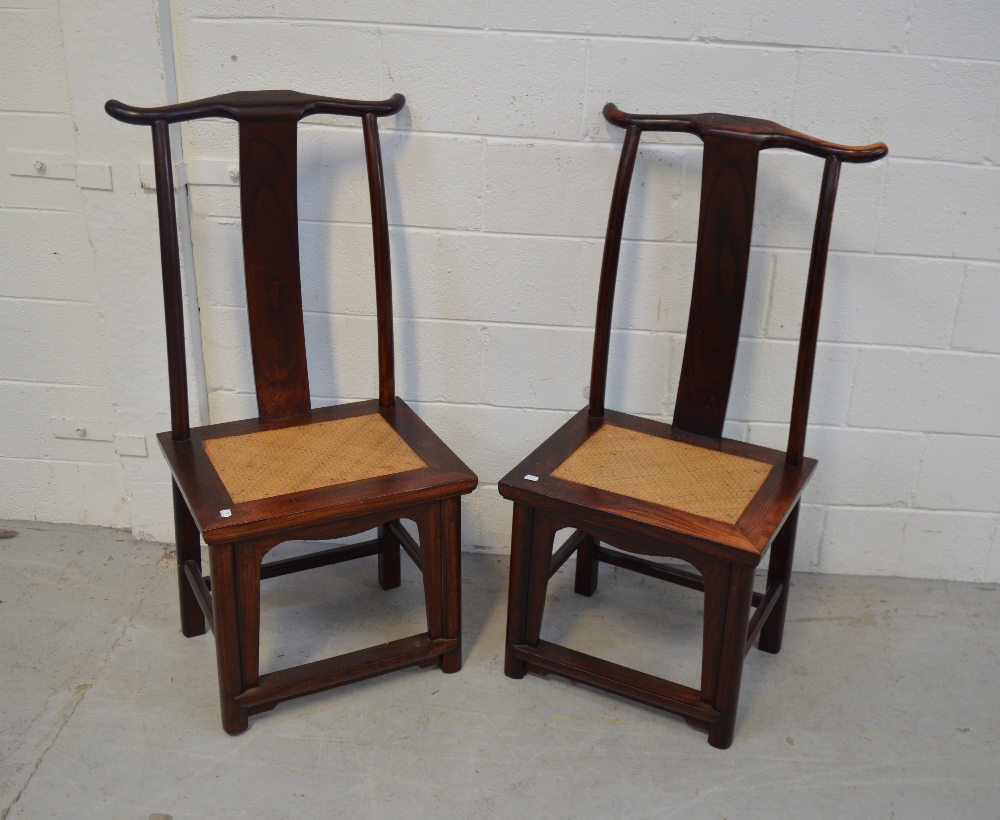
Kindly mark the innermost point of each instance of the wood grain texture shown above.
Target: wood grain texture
(247, 106)
(383, 276)
(764, 133)
(728, 190)
(269, 207)
(354, 666)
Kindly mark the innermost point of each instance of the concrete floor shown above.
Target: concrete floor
(883, 703)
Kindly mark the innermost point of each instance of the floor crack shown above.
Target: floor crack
(79, 693)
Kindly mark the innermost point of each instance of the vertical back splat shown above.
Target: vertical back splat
(268, 198)
(728, 187)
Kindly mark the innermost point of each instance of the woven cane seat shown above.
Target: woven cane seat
(277, 462)
(669, 473)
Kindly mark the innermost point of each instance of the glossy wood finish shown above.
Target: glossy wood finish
(723, 556)
(810, 312)
(383, 277)
(764, 133)
(609, 272)
(170, 264)
(188, 552)
(239, 535)
(245, 106)
(269, 209)
(728, 188)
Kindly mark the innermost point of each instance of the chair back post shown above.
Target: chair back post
(383, 267)
(609, 271)
(811, 312)
(170, 264)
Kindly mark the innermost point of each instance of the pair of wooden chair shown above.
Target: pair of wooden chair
(647, 488)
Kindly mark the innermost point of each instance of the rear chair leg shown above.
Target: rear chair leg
(586, 567)
(780, 569)
(451, 560)
(188, 549)
(388, 558)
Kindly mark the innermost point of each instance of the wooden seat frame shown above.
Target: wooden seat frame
(724, 555)
(239, 535)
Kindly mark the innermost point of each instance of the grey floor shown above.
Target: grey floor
(883, 703)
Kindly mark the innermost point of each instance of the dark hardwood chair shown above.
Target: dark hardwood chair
(681, 490)
(296, 472)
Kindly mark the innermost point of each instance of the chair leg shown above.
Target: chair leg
(524, 622)
(451, 532)
(732, 651)
(247, 564)
(388, 559)
(225, 612)
(517, 593)
(780, 569)
(188, 549)
(440, 546)
(586, 567)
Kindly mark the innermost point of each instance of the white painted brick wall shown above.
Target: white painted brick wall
(499, 174)
(52, 353)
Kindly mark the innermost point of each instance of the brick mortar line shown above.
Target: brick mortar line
(395, 227)
(637, 331)
(334, 400)
(487, 30)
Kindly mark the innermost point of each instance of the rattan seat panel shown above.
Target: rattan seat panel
(714, 485)
(309, 456)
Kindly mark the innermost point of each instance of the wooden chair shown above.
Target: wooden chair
(679, 490)
(296, 472)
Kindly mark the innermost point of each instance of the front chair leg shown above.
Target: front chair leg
(780, 569)
(451, 562)
(388, 558)
(517, 594)
(225, 616)
(440, 551)
(739, 594)
(531, 551)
